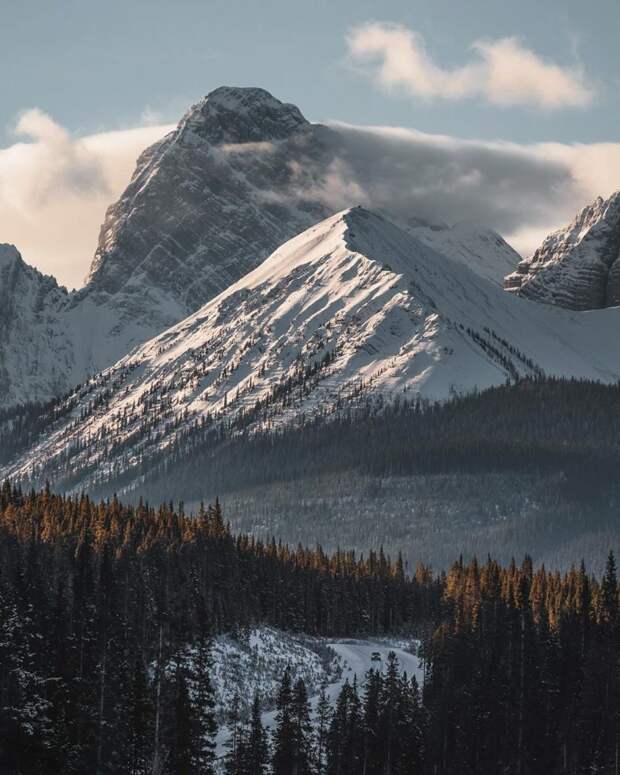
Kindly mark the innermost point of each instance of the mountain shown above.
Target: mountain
(353, 309)
(241, 174)
(577, 267)
(35, 349)
(210, 201)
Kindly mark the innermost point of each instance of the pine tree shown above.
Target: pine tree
(139, 719)
(303, 732)
(373, 740)
(255, 755)
(183, 752)
(608, 607)
(409, 729)
(285, 733)
(338, 729)
(322, 722)
(234, 754)
(389, 710)
(354, 743)
(203, 703)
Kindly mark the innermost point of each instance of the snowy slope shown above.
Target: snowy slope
(352, 308)
(241, 174)
(577, 267)
(481, 249)
(355, 658)
(243, 669)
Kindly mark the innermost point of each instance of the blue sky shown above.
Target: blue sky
(96, 65)
(87, 85)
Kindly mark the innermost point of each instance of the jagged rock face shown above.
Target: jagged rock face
(205, 205)
(35, 351)
(213, 199)
(577, 267)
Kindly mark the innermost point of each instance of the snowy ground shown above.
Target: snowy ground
(316, 660)
(255, 661)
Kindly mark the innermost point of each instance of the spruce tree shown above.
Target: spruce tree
(203, 703)
(322, 722)
(255, 759)
(285, 733)
(234, 754)
(183, 747)
(139, 720)
(303, 731)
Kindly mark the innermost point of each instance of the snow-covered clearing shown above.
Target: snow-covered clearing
(258, 665)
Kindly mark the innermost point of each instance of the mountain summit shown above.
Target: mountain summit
(577, 267)
(353, 309)
(211, 199)
(240, 115)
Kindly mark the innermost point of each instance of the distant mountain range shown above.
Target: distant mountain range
(186, 321)
(353, 309)
(240, 175)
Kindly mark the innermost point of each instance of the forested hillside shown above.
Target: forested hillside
(533, 426)
(97, 599)
(101, 603)
(523, 468)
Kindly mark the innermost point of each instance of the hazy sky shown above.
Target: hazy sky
(76, 76)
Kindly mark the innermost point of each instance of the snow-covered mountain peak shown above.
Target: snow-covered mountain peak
(240, 115)
(577, 267)
(363, 242)
(352, 309)
(241, 174)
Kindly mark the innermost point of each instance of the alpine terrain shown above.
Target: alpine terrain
(314, 475)
(353, 309)
(241, 174)
(577, 267)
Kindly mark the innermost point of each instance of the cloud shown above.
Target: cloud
(442, 178)
(522, 191)
(61, 163)
(54, 190)
(502, 72)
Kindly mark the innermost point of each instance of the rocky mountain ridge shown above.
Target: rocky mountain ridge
(577, 267)
(353, 309)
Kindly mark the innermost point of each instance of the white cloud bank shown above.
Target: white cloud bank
(54, 189)
(502, 71)
(522, 191)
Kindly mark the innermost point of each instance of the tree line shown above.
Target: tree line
(100, 602)
(107, 613)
